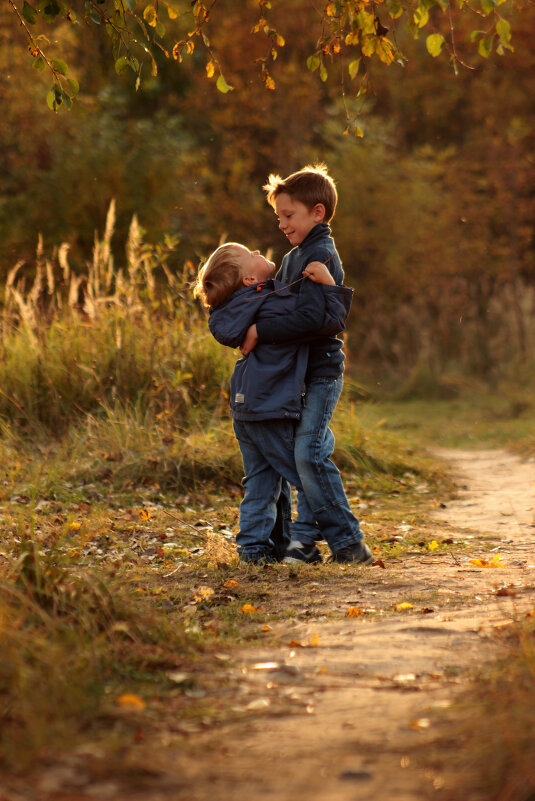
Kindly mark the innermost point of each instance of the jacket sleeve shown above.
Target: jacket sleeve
(338, 301)
(306, 319)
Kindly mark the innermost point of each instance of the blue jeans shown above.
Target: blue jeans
(267, 449)
(322, 505)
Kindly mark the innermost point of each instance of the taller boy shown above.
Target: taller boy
(305, 203)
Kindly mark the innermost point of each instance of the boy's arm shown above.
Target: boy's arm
(305, 320)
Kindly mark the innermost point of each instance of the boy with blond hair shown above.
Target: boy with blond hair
(305, 202)
(267, 387)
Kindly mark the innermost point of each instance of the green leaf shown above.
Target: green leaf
(131, 4)
(59, 65)
(67, 100)
(29, 13)
(121, 65)
(475, 35)
(323, 72)
(49, 9)
(434, 43)
(354, 67)
(421, 16)
(488, 6)
(313, 62)
(133, 63)
(485, 47)
(395, 9)
(75, 86)
(503, 29)
(94, 17)
(160, 29)
(39, 64)
(223, 86)
(54, 98)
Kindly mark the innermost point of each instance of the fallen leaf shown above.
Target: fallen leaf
(177, 676)
(144, 515)
(266, 628)
(405, 605)
(249, 609)
(378, 563)
(494, 562)
(230, 583)
(203, 593)
(507, 591)
(75, 526)
(130, 701)
(314, 641)
(433, 545)
(354, 611)
(421, 723)
(259, 703)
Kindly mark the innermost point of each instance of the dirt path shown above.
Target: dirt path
(347, 717)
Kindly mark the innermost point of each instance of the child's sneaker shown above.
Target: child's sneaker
(302, 552)
(357, 552)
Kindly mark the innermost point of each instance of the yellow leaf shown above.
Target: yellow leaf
(249, 609)
(150, 16)
(354, 611)
(266, 628)
(433, 545)
(384, 50)
(203, 593)
(405, 605)
(280, 40)
(144, 514)
(75, 526)
(173, 13)
(270, 83)
(230, 583)
(494, 562)
(210, 69)
(314, 640)
(130, 701)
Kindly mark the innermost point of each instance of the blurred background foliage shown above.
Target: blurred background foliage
(436, 212)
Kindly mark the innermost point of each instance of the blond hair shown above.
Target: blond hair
(220, 276)
(311, 185)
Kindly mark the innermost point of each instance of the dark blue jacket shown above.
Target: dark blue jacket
(326, 357)
(269, 384)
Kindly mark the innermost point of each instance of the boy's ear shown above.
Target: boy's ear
(249, 280)
(319, 212)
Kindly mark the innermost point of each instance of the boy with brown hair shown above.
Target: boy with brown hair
(305, 203)
(267, 387)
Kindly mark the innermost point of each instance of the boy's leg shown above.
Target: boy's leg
(258, 509)
(324, 498)
(280, 534)
(274, 440)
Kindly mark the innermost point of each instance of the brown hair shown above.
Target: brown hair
(310, 186)
(220, 276)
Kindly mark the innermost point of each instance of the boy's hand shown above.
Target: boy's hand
(249, 343)
(319, 273)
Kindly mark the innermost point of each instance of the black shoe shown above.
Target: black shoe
(301, 552)
(258, 558)
(357, 553)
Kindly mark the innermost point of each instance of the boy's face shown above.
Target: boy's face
(295, 219)
(256, 268)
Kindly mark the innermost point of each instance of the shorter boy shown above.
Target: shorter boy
(267, 387)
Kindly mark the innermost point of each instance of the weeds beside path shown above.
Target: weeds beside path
(348, 692)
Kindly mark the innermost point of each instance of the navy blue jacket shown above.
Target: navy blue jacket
(269, 383)
(326, 357)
